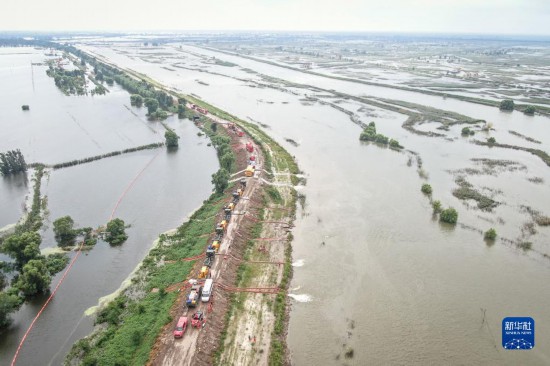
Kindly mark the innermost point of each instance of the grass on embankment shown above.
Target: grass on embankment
(134, 319)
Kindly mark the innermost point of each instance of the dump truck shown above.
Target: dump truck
(236, 196)
(216, 245)
(231, 206)
(249, 172)
(223, 224)
(240, 191)
(194, 295)
(210, 251)
(227, 212)
(205, 270)
(219, 230)
(209, 261)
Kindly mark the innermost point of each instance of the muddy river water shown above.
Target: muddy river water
(173, 184)
(375, 271)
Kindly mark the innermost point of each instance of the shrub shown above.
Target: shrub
(171, 138)
(530, 110)
(381, 139)
(449, 215)
(491, 140)
(436, 205)
(490, 234)
(507, 105)
(426, 188)
(115, 233)
(395, 144)
(25, 107)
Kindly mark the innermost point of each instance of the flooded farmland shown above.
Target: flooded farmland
(380, 274)
(167, 187)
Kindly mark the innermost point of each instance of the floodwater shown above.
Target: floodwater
(379, 273)
(169, 186)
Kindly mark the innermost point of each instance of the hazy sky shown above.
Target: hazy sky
(464, 16)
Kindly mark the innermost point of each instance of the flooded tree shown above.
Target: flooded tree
(530, 110)
(136, 100)
(449, 215)
(152, 105)
(507, 105)
(171, 138)
(12, 162)
(8, 304)
(22, 247)
(64, 231)
(34, 278)
(115, 232)
(490, 234)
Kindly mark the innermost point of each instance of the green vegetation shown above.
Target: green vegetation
(449, 215)
(426, 188)
(507, 105)
(12, 162)
(25, 107)
(34, 278)
(490, 234)
(22, 247)
(436, 205)
(466, 191)
(152, 105)
(63, 229)
(467, 132)
(369, 134)
(8, 304)
(220, 179)
(71, 82)
(115, 232)
(56, 262)
(171, 138)
(126, 318)
(530, 110)
(108, 155)
(136, 100)
(491, 141)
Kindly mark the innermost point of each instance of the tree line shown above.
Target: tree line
(12, 162)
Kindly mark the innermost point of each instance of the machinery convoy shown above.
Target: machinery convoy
(202, 289)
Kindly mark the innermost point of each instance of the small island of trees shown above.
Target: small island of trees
(12, 162)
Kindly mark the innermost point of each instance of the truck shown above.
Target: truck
(205, 270)
(249, 172)
(249, 147)
(216, 245)
(194, 295)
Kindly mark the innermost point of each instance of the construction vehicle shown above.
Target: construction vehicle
(240, 191)
(210, 252)
(227, 212)
(243, 182)
(209, 261)
(194, 295)
(223, 224)
(252, 158)
(249, 172)
(240, 133)
(205, 270)
(249, 147)
(197, 319)
(219, 230)
(216, 245)
(236, 196)
(231, 206)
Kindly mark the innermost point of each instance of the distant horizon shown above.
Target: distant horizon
(507, 17)
(31, 32)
